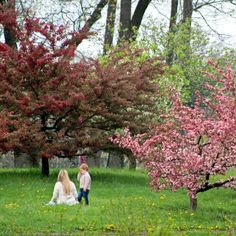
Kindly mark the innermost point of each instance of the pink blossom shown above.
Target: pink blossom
(190, 147)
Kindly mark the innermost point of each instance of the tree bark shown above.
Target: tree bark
(173, 18)
(34, 161)
(9, 35)
(110, 25)
(132, 162)
(115, 159)
(45, 167)
(187, 19)
(125, 19)
(129, 26)
(187, 10)
(137, 18)
(193, 203)
(93, 18)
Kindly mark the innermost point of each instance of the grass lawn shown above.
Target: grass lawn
(121, 203)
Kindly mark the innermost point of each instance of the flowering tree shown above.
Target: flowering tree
(192, 144)
(53, 103)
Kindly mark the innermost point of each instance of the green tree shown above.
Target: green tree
(189, 63)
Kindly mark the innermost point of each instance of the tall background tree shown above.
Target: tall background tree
(78, 13)
(110, 25)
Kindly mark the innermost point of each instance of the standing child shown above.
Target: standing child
(85, 183)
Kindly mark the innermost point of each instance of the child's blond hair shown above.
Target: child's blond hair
(84, 167)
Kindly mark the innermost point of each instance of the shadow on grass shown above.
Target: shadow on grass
(121, 177)
(32, 173)
(106, 176)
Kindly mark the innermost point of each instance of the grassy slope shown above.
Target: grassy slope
(121, 204)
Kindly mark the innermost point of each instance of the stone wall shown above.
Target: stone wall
(98, 159)
(7, 160)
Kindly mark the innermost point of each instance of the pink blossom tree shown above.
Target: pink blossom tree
(191, 145)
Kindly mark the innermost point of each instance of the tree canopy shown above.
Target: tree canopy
(53, 102)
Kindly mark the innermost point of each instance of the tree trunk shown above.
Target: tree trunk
(173, 14)
(45, 167)
(34, 161)
(34, 158)
(173, 18)
(187, 10)
(95, 16)
(115, 160)
(125, 18)
(10, 38)
(9, 35)
(187, 19)
(132, 162)
(110, 25)
(193, 203)
(129, 26)
(137, 18)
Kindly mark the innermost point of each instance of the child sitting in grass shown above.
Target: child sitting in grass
(85, 183)
(64, 190)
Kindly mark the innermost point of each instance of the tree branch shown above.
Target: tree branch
(215, 185)
(93, 18)
(138, 16)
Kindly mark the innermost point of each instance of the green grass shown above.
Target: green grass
(121, 203)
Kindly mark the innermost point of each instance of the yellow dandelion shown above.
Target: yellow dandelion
(11, 205)
(110, 227)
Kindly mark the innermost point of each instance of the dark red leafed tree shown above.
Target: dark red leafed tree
(192, 145)
(54, 103)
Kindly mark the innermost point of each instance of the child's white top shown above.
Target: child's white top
(84, 180)
(59, 196)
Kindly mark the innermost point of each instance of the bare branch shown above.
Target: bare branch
(205, 20)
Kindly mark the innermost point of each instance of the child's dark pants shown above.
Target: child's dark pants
(84, 194)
